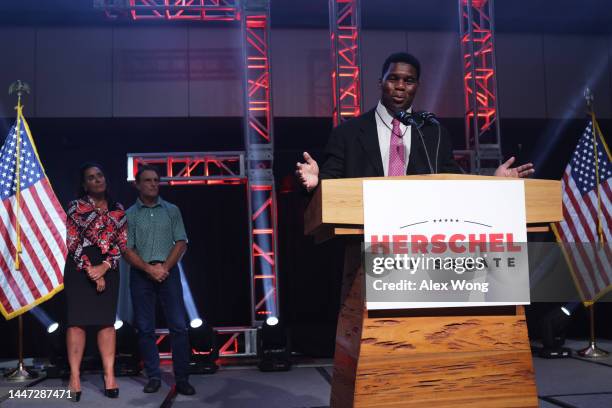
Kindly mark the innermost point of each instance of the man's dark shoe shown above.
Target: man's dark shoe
(184, 388)
(152, 386)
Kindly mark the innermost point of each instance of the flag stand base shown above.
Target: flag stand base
(592, 351)
(21, 373)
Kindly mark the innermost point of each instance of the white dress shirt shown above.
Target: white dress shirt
(384, 129)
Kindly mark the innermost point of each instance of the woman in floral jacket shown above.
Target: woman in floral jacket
(96, 236)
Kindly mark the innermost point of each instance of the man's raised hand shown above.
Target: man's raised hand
(521, 171)
(308, 172)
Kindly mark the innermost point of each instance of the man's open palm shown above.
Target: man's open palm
(308, 172)
(521, 171)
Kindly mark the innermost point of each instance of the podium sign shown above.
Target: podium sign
(445, 243)
(431, 357)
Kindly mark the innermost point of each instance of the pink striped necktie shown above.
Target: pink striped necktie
(396, 151)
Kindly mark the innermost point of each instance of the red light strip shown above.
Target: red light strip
(194, 168)
(232, 341)
(258, 76)
(477, 42)
(195, 10)
(259, 138)
(346, 81)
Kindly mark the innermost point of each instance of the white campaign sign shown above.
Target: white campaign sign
(447, 211)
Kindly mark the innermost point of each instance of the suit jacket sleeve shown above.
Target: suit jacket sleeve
(333, 164)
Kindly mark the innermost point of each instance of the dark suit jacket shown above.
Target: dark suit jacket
(353, 151)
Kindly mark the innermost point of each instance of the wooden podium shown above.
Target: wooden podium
(444, 357)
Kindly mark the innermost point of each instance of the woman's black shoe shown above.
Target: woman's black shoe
(76, 396)
(110, 392)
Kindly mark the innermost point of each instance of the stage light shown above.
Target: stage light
(204, 352)
(273, 349)
(272, 321)
(569, 308)
(127, 356)
(44, 319)
(195, 323)
(554, 325)
(192, 312)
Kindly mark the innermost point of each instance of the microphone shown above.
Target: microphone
(406, 118)
(429, 117)
(417, 119)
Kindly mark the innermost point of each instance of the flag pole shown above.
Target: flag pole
(588, 95)
(21, 373)
(592, 351)
(18, 178)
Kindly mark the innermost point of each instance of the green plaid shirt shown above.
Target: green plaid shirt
(153, 231)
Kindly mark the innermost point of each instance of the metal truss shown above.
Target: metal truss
(237, 341)
(232, 341)
(192, 168)
(199, 10)
(345, 25)
(259, 144)
(480, 85)
(253, 167)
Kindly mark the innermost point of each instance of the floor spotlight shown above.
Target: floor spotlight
(554, 327)
(55, 344)
(274, 351)
(204, 352)
(44, 319)
(52, 327)
(118, 323)
(127, 356)
(195, 323)
(569, 308)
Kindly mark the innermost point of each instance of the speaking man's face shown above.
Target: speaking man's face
(399, 86)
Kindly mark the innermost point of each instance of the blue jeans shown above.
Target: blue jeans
(170, 293)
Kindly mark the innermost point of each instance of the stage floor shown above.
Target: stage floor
(571, 382)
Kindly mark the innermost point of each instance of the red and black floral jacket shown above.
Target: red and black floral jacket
(87, 225)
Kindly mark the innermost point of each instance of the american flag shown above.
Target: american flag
(585, 231)
(41, 222)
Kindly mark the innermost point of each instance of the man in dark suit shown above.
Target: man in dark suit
(377, 144)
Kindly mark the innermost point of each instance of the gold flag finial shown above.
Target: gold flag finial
(588, 97)
(19, 87)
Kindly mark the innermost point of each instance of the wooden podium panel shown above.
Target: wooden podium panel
(451, 357)
(473, 357)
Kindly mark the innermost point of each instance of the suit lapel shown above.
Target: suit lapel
(369, 140)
